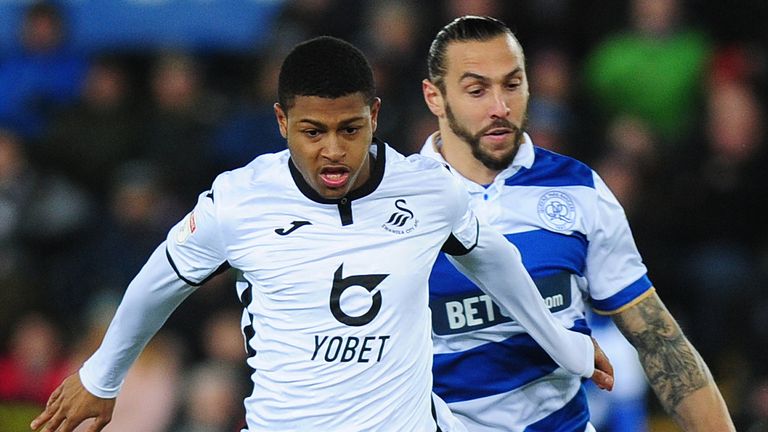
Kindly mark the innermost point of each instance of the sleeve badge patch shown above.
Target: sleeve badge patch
(186, 228)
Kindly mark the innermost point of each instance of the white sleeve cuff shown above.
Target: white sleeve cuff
(590, 358)
(102, 392)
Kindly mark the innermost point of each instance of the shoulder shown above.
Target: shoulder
(263, 173)
(552, 169)
(429, 174)
(414, 163)
(422, 175)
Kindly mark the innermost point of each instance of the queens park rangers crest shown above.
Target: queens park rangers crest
(557, 211)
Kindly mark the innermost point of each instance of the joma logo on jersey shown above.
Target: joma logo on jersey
(294, 226)
(402, 220)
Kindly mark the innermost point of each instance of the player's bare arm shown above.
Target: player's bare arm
(675, 370)
(71, 404)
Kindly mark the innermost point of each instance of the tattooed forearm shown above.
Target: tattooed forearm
(674, 368)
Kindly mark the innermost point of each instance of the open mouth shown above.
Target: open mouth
(334, 177)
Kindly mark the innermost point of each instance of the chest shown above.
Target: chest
(301, 259)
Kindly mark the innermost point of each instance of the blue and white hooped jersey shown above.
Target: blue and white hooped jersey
(576, 244)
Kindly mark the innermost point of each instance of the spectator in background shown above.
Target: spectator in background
(150, 396)
(89, 140)
(222, 341)
(40, 215)
(214, 390)
(757, 407)
(248, 128)
(14, 197)
(35, 361)
(550, 114)
(152, 392)
(457, 8)
(303, 19)
(177, 130)
(391, 41)
(211, 338)
(43, 76)
(134, 219)
(31, 363)
(718, 192)
(212, 400)
(629, 164)
(139, 214)
(623, 72)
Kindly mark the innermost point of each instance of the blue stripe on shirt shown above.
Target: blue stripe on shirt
(492, 368)
(546, 252)
(624, 296)
(536, 248)
(553, 170)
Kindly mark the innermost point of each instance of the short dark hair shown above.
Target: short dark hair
(462, 29)
(327, 67)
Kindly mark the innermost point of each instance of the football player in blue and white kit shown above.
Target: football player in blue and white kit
(575, 242)
(334, 240)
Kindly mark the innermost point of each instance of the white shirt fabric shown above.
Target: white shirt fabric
(576, 243)
(336, 316)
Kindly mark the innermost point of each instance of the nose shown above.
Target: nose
(499, 107)
(334, 149)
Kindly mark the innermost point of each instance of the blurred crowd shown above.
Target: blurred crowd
(102, 152)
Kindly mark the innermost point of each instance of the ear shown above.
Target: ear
(433, 97)
(282, 120)
(375, 107)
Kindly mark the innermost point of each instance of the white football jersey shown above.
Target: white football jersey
(576, 244)
(335, 290)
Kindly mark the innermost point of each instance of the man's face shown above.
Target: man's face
(486, 98)
(329, 140)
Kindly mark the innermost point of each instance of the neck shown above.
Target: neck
(458, 154)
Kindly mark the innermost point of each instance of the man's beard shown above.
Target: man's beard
(491, 162)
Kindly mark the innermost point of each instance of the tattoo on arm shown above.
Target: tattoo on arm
(673, 367)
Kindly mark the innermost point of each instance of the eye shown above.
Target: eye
(476, 91)
(311, 133)
(513, 85)
(350, 130)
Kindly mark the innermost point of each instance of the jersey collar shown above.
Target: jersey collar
(378, 151)
(523, 159)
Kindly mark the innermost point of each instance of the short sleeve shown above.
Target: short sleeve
(194, 245)
(615, 271)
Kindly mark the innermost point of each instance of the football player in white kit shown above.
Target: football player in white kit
(575, 242)
(334, 240)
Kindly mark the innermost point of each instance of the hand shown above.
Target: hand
(603, 376)
(71, 404)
